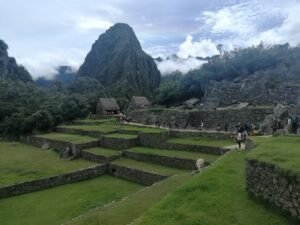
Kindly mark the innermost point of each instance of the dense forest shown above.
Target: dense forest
(227, 66)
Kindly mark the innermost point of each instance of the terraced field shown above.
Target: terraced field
(114, 201)
(20, 162)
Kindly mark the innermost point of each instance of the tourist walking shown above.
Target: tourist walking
(239, 139)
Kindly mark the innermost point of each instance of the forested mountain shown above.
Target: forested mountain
(118, 62)
(9, 69)
(268, 66)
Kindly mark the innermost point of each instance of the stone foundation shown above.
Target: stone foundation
(273, 185)
(54, 181)
(137, 176)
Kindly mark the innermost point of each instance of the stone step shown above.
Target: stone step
(147, 167)
(171, 158)
(100, 155)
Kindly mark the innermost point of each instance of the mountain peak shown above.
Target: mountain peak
(118, 61)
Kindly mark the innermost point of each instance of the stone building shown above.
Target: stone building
(138, 102)
(107, 106)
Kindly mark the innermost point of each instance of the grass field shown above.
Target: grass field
(148, 167)
(122, 136)
(125, 211)
(201, 141)
(76, 139)
(103, 151)
(283, 151)
(58, 205)
(20, 162)
(215, 197)
(173, 153)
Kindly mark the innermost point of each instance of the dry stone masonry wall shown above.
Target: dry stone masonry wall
(272, 184)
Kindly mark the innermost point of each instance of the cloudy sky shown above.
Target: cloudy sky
(44, 34)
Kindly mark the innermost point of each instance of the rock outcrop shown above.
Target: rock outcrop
(9, 69)
(119, 63)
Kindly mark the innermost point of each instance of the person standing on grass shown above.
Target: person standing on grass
(239, 139)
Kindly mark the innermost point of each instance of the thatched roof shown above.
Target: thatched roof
(109, 104)
(140, 101)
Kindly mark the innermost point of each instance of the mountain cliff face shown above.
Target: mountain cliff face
(119, 63)
(9, 69)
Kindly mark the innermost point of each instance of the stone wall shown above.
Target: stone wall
(59, 145)
(159, 140)
(117, 143)
(210, 118)
(213, 135)
(98, 158)
(179, 163)
(137, 176)
(49, 182)
(270, 183)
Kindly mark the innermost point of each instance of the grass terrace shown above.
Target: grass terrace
(20, 162)
(121, 136)
(125, 211)
(214, 197)
(148, 167)
(174, 153)
(283, 151)
(103, 128)
(107, 127)
(75, 139)
(58, 205)
(103, 151)
(203, 141)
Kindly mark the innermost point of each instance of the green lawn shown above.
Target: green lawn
(58, 205)
(283, 151)
(122, 136)
(215, 197)
(103, 151)
(20, 162)
(174, 153)
(203, 141)
(76, 139)
(125, 211)
(148, 167)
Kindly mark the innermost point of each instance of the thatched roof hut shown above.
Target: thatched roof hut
(138, 102)
(107, 106)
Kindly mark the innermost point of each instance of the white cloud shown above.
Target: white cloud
(202, 48)
(92, 23)
(288, 31)
(45, 64)
(183, 65)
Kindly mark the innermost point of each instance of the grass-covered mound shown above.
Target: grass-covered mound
(203, 141)
(282, 151)
(174, 153)
(58, 205)
(76, 139)
(20, 162)
(215, 197)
